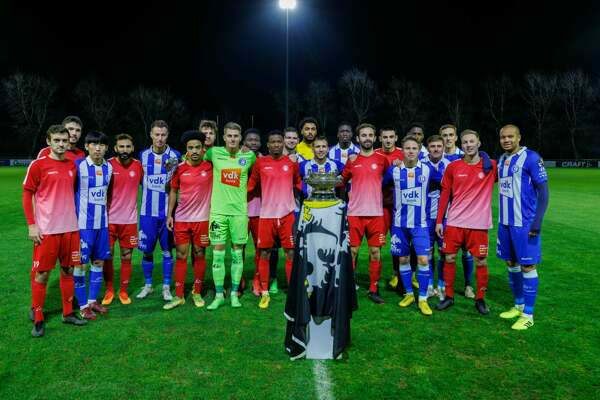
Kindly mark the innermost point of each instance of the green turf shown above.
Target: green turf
(141, 351)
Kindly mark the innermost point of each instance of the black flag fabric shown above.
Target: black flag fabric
(322, 282)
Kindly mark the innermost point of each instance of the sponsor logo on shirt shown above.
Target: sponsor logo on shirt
(157, 182)
(98, 195)
(231, 176)
(506, 186)
(186, 174)
(53, 172)
(411, 197)
(462, 175)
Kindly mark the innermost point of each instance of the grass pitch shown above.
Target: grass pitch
(141, 351)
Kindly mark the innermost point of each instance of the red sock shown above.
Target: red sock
(263, 274)
(449, 274)
(481, 274)
(109, 274)
(38, 295)
(125, 274)
(67, 291)
(199, 270)
(374, 275)
(180, 273)
(288, 269)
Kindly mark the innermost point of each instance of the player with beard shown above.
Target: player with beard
(309, 128)
(320, 163)
(365, 206)
(74, 126)
(122, 215)
(344, 148)
(388, 149)
(290, 141)
(469, 184)
(193, 182)
(275, 176)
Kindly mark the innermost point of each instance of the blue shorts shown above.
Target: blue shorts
(94, 245)
(514, 244)
(153, 229)
(433, 237)
(402, 238)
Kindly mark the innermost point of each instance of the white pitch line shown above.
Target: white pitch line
(323, 384)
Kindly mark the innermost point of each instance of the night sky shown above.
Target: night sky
(233, 52)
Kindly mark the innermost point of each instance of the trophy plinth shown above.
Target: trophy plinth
(322, 185)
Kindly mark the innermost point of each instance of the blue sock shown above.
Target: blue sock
(467, 261)
(95, 282)
(441, 282)
(147, 267)
(431, 272)
(530, 287)
(167, 262)
(406, 276)
(80, 290)
(515, 278)
(423, 278)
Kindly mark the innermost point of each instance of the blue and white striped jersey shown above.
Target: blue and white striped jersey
(337, 154)
(310, 166)
(90, 194)
(158, 171)
(410, 194)
(436, 172)
(517, 175)
(423, 153)
(458, 153)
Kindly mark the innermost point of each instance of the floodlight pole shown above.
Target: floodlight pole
(287, 67)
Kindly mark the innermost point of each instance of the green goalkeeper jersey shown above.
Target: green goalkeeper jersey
(230, 179)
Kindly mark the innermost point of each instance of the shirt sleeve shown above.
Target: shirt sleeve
(347, 172)
(254, 180)
(208, 155)
(30, 185)
(175, 181)
(340, 166)
(535, 167)
(388, 177)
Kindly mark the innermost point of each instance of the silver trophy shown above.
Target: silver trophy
(322, 185)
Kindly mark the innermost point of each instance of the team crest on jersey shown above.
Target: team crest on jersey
(231, 176)
(515, 169)
(285, 168)
(373, 166)
(132, 173)
(480, 175)
(242, 161)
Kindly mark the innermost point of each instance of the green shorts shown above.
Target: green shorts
(222, 227)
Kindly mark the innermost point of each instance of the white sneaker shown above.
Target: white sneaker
(430, 291)
(469, 293)
(146, 290)
(167, 293)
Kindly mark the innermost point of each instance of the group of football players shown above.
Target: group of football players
(425, 194)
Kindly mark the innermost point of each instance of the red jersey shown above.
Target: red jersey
(123, 191)
(366, 173)
(471, 192)
(388, 191)
(50, 184)
(195, 188)
(276, 179)
(71, 154)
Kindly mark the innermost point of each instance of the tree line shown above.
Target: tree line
(558, 112)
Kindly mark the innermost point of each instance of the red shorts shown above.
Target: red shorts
(388, 215)
(61, 246)
(191, 232)
(126, 234)
(271, 228)
(371, 227)
(253, 228)
(474, 240)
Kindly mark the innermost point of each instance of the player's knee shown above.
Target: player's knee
(265, 254)
(289, 254)
(126, 254)
(510, 264)
(423, 260)
(403, 260)
(181, 254)
(527, 268)
(199, 251)
(481, 262)
(354, 251)
(450, 258)
(374, 253)
(148, 257)
(42, 277)
(67, 270)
